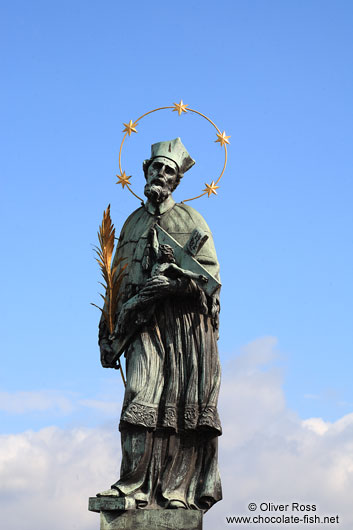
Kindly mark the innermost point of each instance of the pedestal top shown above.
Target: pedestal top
(113, 516)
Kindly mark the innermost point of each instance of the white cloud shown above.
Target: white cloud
(311, 396)
(317, 425)
(267, 454)
(21, 402)
(107, 407)
(42, 400)
(46, 477)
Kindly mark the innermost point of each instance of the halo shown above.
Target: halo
(181, 107)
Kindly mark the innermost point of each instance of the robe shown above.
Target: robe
(169, 422)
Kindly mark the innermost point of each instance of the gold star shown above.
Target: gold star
(180, 107)
(222, 138)
(123, 179)
(130, 127)
(211, 188)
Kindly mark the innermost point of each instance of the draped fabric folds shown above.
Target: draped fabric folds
(169, 422)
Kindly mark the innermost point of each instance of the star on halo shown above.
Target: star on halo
(123, 179)
(180, 107)
(130, 127)
(211, 188)
(222, 139)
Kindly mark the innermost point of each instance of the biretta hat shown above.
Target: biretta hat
(174, 150)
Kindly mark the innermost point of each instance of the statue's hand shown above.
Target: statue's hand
(214, 310)
(159, 286)
(107, 354)
(155, 288)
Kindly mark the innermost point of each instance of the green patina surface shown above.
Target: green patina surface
(167, 326)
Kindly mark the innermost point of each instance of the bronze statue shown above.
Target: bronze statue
(167, 326)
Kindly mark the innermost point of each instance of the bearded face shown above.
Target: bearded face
(161, 178)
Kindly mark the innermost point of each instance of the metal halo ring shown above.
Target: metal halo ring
(181, 107)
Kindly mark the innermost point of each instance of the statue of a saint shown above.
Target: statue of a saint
(167, 324)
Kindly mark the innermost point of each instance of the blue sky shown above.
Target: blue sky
(277, 77)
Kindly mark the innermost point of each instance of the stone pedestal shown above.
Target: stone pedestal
(114, 516)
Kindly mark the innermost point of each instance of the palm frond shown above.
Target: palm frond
(112, 275)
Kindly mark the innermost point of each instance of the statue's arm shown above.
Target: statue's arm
(180, 272)
(159, 286)
(105, 346)
(154, 289)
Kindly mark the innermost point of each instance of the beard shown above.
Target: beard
(156, 193)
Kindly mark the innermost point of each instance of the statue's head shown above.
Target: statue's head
(166, 254)
(164, 170)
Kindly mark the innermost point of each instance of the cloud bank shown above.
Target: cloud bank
(46, 477)
(267, 454)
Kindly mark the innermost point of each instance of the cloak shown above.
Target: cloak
(169, 420)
